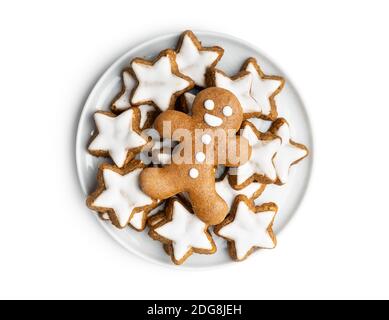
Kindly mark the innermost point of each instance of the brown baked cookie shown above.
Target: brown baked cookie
(156, 218)
(193, 59)
(148, 113)
(239, 84)
(185, 102)
(182, 232)
(208, 138)
(289, 153)
(248, 227)
(104, 216)
(117, 136)
(264, 89)
(159, 82)
(118, 193)
(260, 166)
(122, 100)
(229, 194)
(255, 90)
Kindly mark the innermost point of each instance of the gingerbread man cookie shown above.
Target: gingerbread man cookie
(216, 112)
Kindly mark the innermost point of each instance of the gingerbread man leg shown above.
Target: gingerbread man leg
(207, 204)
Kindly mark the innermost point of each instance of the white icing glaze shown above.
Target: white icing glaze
(194, 63)
(212, 120)
(261, 125)
(287, 154)
(160, 207)
(122, 194)
(274, 193)
(206, 138)
(209, 104)
(157, 83)
(144, 110)
(193, 173)
(200, 157)
(262, 89)
(249, 230)
(227, 111)
(224, 189)
(240, 88)
(189, 98)
(105, 216)
(116, 136)
(186, 231)
(138, 220)
(261, 160)
(123, 102)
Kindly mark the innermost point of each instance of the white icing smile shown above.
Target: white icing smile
(212, 120)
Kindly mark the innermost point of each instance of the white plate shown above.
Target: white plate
(289, 104)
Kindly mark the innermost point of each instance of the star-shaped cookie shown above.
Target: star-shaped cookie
(122, 100)
(193, 59)
(139, 219)
(264, 89)
(159, 81)
(183, 232)
(228, 193)
(248, 227)
(289, 152)
(239, 85)
(118, 193)
(117, 136)
(260, 166)
(148, 114)
(261, 125)
(186, 102)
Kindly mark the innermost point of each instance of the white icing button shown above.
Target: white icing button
(193, 173)
(200, 156)
(212, 120)
(209, 104)
(206, 139)
(227, 111)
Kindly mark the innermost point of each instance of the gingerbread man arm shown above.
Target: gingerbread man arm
(170, 123)
(238, 151)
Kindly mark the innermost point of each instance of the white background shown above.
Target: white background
(336, 52)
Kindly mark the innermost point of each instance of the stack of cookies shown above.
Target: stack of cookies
(185, 155)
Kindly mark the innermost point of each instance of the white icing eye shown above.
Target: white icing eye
(209, 104)
(200, 157)
(206, 139)
(227, 111)
(193, 173)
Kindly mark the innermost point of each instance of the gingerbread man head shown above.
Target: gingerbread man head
(215, 110)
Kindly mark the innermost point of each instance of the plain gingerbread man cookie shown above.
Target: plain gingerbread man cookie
(216, 111)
